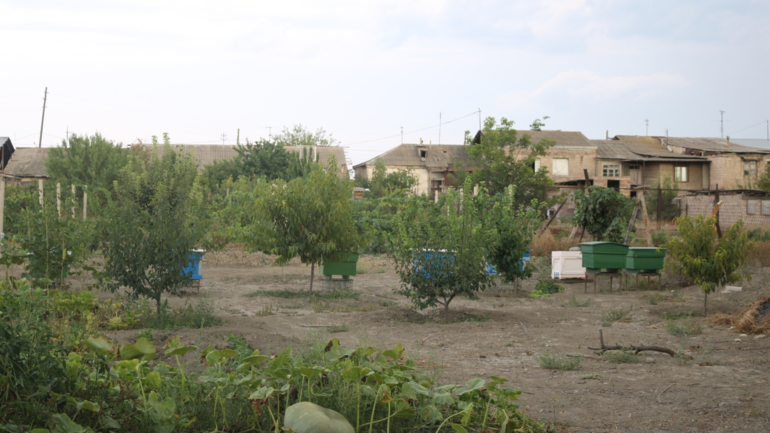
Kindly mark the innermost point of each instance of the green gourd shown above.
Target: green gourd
(306, 417)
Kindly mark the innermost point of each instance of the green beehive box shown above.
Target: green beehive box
(603, 255)
(645, 259)
(346, 268)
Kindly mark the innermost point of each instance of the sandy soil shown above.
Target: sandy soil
(724, 387)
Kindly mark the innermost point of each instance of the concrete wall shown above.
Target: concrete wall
(579, 158)
(734, 207)
(727, 170)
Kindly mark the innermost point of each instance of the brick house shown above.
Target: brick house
(752, 206)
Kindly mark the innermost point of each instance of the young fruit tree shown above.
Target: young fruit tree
(154, 222)
(603, 212)
(440, 250)
(698, 254)
(515, 227)
(310, 217)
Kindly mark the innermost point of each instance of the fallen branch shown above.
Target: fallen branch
(431, 335)
(669, 387)
(525, 328)
(636, 349)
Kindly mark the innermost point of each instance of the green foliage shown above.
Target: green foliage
(544, 289)
(153, 224)
(383, 183)
(603, 212)
(95, 385)
(50, 245)
(660, 238)
(764, 181)
(376, 217)
(298, 135)
(505, 157)
(440, 252)
(616, 315)
(621, 357)
(17, 200)
(574, 302)
(515, 227)
(698, 254)
(310, 217)
(669, 209)
(683, 326)
(81, 160)
(553, 362)
(758, 235)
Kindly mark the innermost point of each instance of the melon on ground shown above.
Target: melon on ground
(306, 417)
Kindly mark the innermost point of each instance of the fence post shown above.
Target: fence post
(85, 202)
(646, 219)
(716, 200)
(660, 205)
(40, 192)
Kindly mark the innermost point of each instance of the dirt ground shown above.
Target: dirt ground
(725, 386)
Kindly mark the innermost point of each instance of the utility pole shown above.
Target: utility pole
(42, 120)
(269, 130)
(224, 137)
(238, 137)
(439, 127)
(402, 135)
(722, 123)
(646, 127)
(768, 129)
(479, 119)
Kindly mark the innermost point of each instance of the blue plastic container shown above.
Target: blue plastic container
(194, 265)
(427, 255)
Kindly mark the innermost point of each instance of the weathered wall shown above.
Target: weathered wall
(734, 207)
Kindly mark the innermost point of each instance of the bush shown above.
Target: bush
(603, 212)
(660, 238)
(544, 289)
(616, 315)
(683, 326)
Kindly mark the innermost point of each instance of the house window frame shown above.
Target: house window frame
(610, 170)
(752, 168)
(681, 173)
(559, 172)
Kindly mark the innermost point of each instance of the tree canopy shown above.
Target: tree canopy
(503, 157)
(603, 212)
(299, 135)
(86, 160)
(383, 182)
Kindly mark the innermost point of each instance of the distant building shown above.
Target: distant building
(27, 165)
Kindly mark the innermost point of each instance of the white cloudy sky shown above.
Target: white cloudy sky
(364, 69)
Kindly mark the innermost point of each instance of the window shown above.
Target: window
(611, 170)
(751, 207)
(561, 167)
(750, 168)
(765, 207)
(680, 174)
(536, 167)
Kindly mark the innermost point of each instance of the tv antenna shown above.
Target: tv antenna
(223, 137)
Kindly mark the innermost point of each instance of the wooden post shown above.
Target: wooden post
(586, 191)
(646, 219)
(40, 192)
(2, 203)
(58, 199)
(716, 210)
(632, 222)
(660, 205)
(227, 194)
(476, 189)
(85, 203)
(73, 201)
(435, 196)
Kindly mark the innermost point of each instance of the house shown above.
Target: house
(27, 165)
(751, 206)
(206, 154)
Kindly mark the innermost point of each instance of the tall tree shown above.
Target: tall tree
(298, 135)
(604, 213)
(86, 160)
(154, 222)
(504, 156)
(310, 217)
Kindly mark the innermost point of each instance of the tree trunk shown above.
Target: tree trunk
(157, 306)
(446, 312)
(312, 273)
(705, 303)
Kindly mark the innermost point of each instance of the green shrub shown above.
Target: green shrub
(553, 362)
(544, 289)
(615, 315)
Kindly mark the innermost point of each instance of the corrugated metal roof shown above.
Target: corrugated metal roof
(28, 162)
(712, 145)
(759, 143)
(613, 149)
(437, 156)
(562, 138)
(635, 148)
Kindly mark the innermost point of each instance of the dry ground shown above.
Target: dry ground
(724, 387)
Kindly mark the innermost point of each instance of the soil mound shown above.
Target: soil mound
(753, 318)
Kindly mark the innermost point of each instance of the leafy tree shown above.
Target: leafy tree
(698, 254)
(82, 160)
(604, 213)
(154, 223)
(298, 135)
(515, 228)
(383, 183)
(763, 182)
(440, 251)
(310, 217)
(669, 209)
(506, 157)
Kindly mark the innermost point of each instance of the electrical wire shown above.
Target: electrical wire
(412, 132)
(748, 127)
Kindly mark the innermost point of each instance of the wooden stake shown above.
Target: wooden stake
(85, 203)
(40, 192)
(632, 222)
(646, 219)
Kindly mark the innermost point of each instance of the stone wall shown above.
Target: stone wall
(734, 207)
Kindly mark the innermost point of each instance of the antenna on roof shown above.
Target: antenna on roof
(439, 127)
(646, 127)
(224, 137)
(722, 123)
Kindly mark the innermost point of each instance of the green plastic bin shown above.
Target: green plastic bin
(346, 268)
(645, 259)
(603, 255)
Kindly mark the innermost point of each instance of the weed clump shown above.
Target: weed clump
(621, 357)
(553, 362)
(617, 315)
(683, 326)
(575, 303)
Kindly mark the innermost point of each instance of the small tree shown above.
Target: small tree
(154, 223)
(515, 228)
(701, 256)
(604, 212)
(311, 217)
(669, 209)
(440, 250)
(298, 135)
(384, 183)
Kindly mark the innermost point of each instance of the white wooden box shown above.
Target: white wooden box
(567, 264)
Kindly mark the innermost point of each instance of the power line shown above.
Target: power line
(748, 127)
(412, 132)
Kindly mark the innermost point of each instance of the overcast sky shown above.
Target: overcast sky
(364, 69)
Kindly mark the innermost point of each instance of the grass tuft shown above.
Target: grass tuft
(596, 376)
(339, 328)
(621, 357)
(575, 303)
(616, 315)
(683, 326)
(553, 362)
